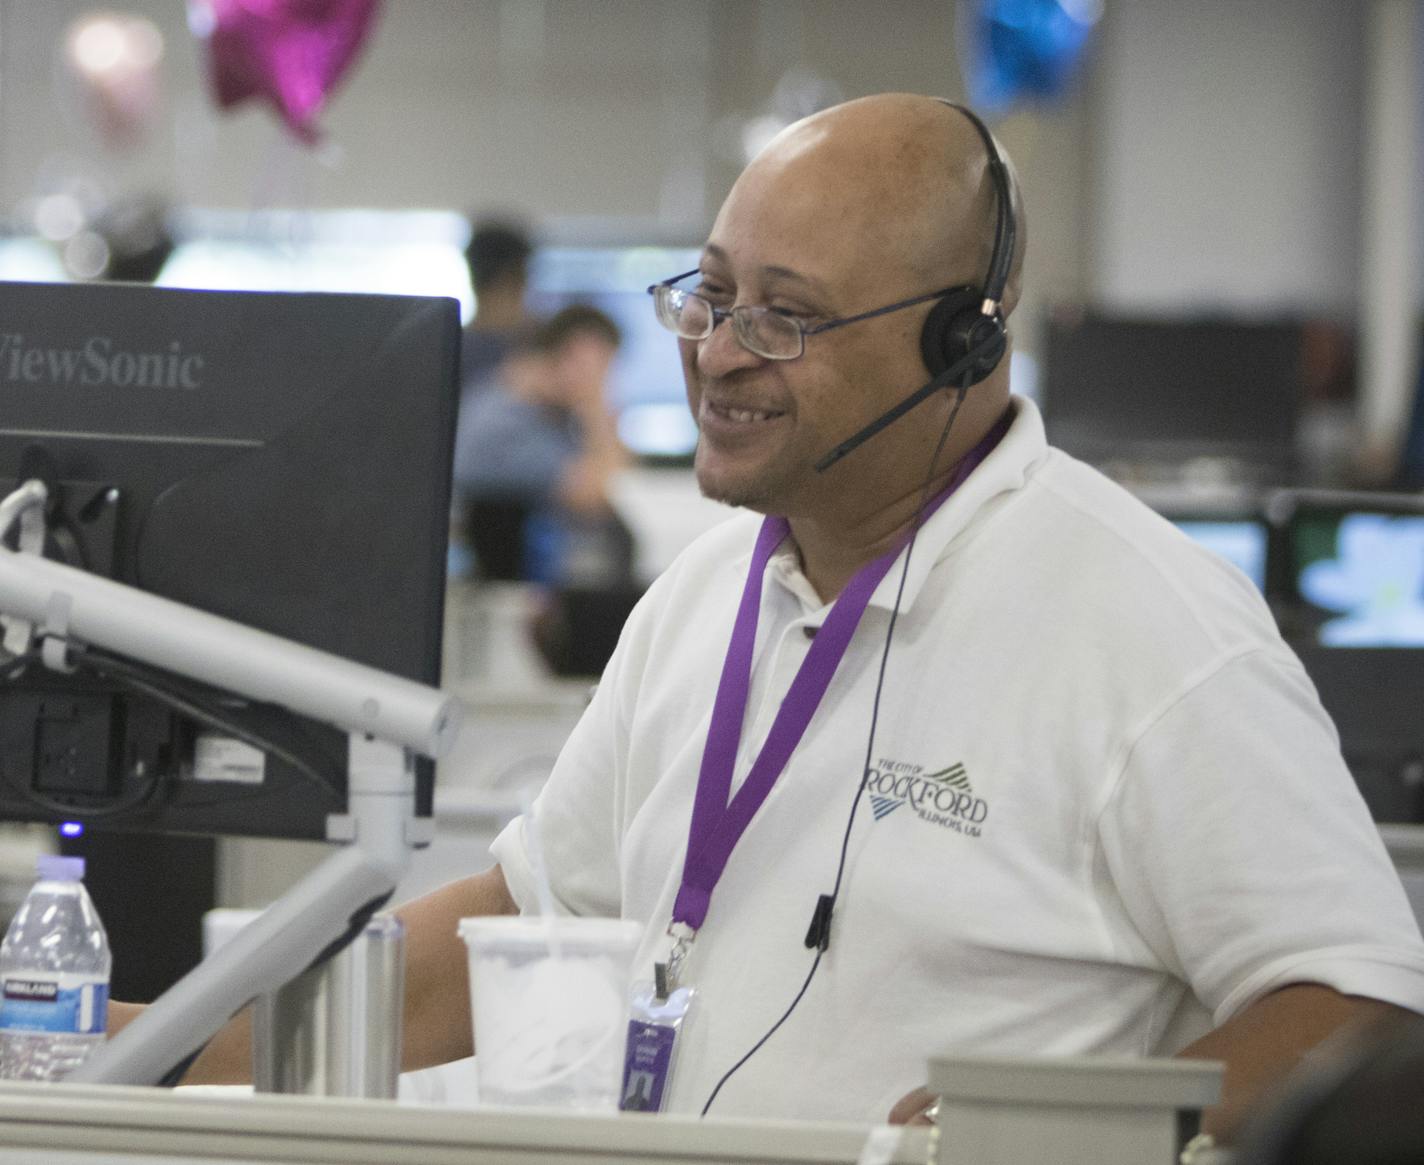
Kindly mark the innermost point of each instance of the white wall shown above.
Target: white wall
(568, 107)
(1211, 160)
(1226, 142)
(575, 109)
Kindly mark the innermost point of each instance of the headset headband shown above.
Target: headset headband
(1002, 256)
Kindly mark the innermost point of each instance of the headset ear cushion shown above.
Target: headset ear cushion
(956, 326)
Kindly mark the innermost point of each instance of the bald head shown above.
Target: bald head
(899, 177)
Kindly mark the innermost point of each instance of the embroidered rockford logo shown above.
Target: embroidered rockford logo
(944, 798)
(884, 806)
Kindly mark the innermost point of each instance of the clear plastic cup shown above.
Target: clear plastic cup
(549, 997)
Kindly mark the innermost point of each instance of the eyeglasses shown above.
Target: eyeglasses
(763, 331)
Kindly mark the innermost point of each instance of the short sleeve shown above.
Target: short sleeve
(568, 834)
(1244, 855)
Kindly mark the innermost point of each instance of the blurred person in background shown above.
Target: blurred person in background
(498, 258)
(535, 452)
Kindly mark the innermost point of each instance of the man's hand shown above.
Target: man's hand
(913, 1108)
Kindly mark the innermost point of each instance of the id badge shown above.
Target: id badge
(653, 1028)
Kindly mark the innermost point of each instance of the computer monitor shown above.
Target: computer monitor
(1409, 473)
(1346, 577)
(1160, 392)
(1353, 570)
(1373, 696)
(280, 459)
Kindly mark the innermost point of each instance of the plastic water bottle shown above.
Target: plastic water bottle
(54, 977)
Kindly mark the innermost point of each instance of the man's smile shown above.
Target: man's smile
(741, 415)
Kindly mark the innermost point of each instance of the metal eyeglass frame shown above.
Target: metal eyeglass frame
(738, 315)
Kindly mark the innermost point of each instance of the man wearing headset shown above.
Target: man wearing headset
(1043, 780)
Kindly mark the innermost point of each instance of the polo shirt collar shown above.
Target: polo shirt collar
(1005, 469)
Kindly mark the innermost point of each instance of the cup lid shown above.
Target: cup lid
(534, 928)
(59, 868)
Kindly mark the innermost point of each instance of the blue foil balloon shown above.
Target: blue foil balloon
(1016, 51)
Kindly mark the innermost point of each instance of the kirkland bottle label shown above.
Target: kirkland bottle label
(54, 1003)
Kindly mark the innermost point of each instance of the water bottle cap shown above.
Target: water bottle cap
(58, 868)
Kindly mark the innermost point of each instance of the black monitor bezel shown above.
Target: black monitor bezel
(288, 805)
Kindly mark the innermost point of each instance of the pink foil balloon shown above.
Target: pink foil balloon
(289, 52)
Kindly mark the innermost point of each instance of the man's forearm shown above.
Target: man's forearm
(437, 1027)
(225, 1059)
(437, 997)
(1263, 1044)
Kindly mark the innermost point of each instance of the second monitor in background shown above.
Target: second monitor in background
(1350, 567)
(1147, 396)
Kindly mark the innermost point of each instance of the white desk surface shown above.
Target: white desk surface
(89, 1125)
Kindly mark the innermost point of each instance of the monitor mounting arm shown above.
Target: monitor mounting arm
(388, 720)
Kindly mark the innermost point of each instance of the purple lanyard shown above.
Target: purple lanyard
(717, 823)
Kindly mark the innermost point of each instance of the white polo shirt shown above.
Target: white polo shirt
(1106, 809)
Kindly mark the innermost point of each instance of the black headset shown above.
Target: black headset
(969, 321)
